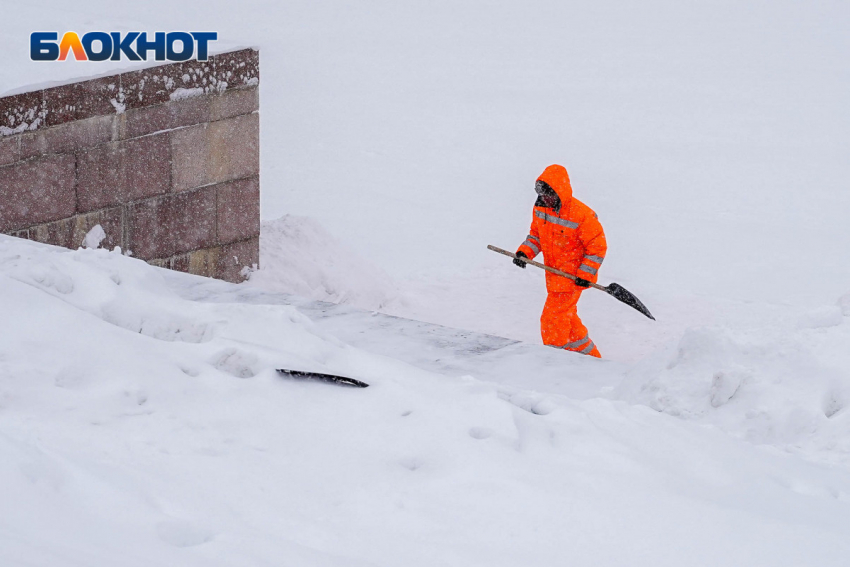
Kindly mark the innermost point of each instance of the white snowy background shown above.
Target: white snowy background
(141, 422)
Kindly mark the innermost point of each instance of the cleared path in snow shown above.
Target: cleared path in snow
(436, 348)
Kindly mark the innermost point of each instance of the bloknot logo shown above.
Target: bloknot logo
(115, 46)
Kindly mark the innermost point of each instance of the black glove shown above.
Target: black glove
(519, 259)
(582, 283)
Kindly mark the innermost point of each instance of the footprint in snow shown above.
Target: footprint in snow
(411, 463)
(236, 363)
(532, 403)
(480, 432)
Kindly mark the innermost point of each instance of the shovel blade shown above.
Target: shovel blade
(331, 378)
(619, 292)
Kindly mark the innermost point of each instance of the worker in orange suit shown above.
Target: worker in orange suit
(570, 237)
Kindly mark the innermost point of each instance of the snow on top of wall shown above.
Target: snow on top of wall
(103, 69)
(129, 90)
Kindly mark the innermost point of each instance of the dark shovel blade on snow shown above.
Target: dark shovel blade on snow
(331, 378)
(617, 291)
(614, 290)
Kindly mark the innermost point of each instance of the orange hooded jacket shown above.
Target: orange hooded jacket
(570, 237)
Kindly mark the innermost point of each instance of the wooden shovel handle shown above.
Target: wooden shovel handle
(539, 265)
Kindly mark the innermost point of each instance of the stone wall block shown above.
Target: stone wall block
(238, 209)
(57, 233)
(10, 150)
(69, 137)
(221, 262)
(121, 172)
(37, 191)
(173, 224)
(79, 101)
(232, 258)
(237, 68)
(175, 114)
(235, 102)
(180, 263)
(189, 153)
(61, 104)
(21, 112)
(216, 152)
(204, 262)
(98, 97)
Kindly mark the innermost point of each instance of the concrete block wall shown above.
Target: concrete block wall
(165, 159)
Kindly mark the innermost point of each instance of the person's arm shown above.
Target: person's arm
(531, 246)
(595, 246)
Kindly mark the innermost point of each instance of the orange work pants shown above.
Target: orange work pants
(561, 327)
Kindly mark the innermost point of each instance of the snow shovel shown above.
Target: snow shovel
(331, 378)
(615, 290)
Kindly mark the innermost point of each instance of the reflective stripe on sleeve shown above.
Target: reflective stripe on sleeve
(596, 259)
(555, 220)
(588, 269)
(534, 247)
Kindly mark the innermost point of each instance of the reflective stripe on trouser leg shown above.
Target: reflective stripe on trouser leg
(561, 327)
(575, 344)
(588, 348)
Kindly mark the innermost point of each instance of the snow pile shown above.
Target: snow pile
(132, 296)
(788, 387)
(298, 256)
(139, 428)
(94, 237)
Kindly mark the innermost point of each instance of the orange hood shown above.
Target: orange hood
(559, 180)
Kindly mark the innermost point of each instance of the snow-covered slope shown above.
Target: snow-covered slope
(778, 380)
(140, 427)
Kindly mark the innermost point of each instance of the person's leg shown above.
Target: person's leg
(581, 339)
(555, 321)
(561, 327)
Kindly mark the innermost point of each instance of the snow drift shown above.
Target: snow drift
(299, 256)
(778, 386)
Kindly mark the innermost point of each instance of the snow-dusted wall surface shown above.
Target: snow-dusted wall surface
(165, 159)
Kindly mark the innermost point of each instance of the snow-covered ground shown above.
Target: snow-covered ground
(142, 427)
(141, 421)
